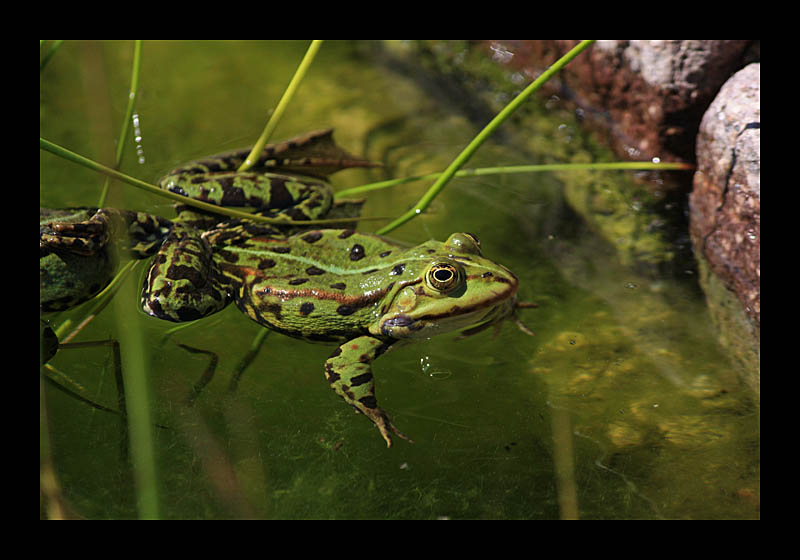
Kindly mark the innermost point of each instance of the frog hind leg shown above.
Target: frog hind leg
(145, 232)
(350, 375)
(183, 283)
(84, 231)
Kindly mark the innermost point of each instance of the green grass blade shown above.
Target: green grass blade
(50, 52)
(482, 136)
(138, 404)
(272, 123)
(615, 166)
(60, 151)
(126, 121)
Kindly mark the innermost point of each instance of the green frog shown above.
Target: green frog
(362, 292)
(78, 249)
(78, 246)
(288, 179)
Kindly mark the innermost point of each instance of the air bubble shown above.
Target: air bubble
(137, 137)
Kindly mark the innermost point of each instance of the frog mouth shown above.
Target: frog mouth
(456, 317)
(403, 325)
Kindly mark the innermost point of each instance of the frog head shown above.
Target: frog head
(456, 288)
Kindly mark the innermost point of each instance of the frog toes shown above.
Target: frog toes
(381, 420)
(520, 325)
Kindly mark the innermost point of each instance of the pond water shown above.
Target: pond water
(622, 406)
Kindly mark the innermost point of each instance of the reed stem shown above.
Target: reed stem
(482, 136)
(275, 117)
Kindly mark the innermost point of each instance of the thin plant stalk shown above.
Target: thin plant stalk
(135, 358)
(50, 52)
(126, 121)
(60, 151)
(138, 402)
(138, 406)
(100, 301)
(615, 166)
(482, 136)
(104, 297)
(272, 123)
(441, 178)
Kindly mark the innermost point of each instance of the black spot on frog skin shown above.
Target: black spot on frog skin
(312, 237)
(397, 270)
(361, 379)
(296, 213)
(357, 252)
(265, 263)
(297, 281)
(282, 250)
(306, 308)
(314, 271)
(274, 309)
(339, 286)
(369, 401)
(182, 272)
(346, 233)
(385, 254)
(345, 309)
(331, 374)
(279, 195)
(230, 256)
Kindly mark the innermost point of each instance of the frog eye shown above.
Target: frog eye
(464, 243)
(443, 277)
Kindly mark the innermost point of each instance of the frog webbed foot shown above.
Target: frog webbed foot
(381, 420)
(523, 305)
(350, 375)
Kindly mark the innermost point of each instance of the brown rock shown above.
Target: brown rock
(653, 93)
(725, 204)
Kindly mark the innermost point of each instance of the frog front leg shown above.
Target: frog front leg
(350, 375)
